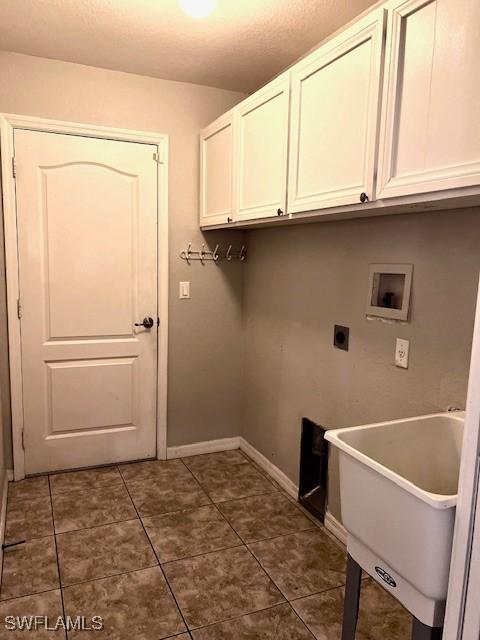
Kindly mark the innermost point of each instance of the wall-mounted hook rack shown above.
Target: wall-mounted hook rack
(204, 255)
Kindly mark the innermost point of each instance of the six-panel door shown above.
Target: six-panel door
(216, 172)
(430, 139)
(334, 119)
(87, 244)
(261, 152)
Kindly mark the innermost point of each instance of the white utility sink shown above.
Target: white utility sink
(398, 485)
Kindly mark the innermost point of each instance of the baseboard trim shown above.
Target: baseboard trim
(197, 448)
(283, 480)
(336, 528)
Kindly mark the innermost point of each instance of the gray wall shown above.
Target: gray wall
(205, 359)
(300, 281)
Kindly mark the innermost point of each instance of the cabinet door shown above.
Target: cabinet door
(335, 118)
(430, 137)
(216, 172)
(261, 143)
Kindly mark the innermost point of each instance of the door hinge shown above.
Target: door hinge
(14, 168)
(23, 439)
(156, 157)
(19, 308)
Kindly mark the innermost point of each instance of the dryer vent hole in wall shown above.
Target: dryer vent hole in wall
(341, 337)
(312, 490)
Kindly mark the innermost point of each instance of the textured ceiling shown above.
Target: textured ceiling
(240, 46)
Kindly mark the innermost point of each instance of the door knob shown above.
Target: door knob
(146, 322)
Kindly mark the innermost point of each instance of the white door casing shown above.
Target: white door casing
(462, 618)
(87, 270)
(334, 118)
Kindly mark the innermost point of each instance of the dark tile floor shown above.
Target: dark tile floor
(206, 548)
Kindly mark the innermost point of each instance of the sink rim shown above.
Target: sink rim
(436, 500)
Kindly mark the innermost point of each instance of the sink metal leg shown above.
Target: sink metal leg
(422, 631)
(352, 600)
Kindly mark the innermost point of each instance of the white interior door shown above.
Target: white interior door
(87, 249)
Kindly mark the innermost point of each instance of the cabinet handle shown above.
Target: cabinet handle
(363, 197)
(229, 219)
(279, 212)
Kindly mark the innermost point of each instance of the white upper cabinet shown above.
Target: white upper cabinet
(384, 115)
(334, 119)
(216, 172)
(430, 137)
(261, 151)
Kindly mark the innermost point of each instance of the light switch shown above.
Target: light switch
(184, 290)
(401, 353)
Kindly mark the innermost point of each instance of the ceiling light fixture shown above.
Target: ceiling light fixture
(198, 8)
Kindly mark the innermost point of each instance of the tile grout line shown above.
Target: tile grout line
(266, 573)
(201, 555)
(196, 480)
(29, 595)
(244, 615)
(113, 575)
(158, 561)
(279, 535)
(95, 526)
(295, 613)
(241, 464)
(322, 591)
(57, 557)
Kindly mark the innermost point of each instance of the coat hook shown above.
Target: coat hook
(186, 254)
(243, 253)
(215, 253)
(229, 252)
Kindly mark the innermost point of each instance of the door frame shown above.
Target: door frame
(8, 123)
(460, 615)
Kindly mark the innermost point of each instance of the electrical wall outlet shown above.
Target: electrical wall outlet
(341, 337)
(401, 353)
(184, 292)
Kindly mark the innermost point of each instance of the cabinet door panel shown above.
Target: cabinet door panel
(430, 138)
(216, 172)
(335, 96)
(262, 146)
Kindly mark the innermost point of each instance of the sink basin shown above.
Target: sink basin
(398, 487)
